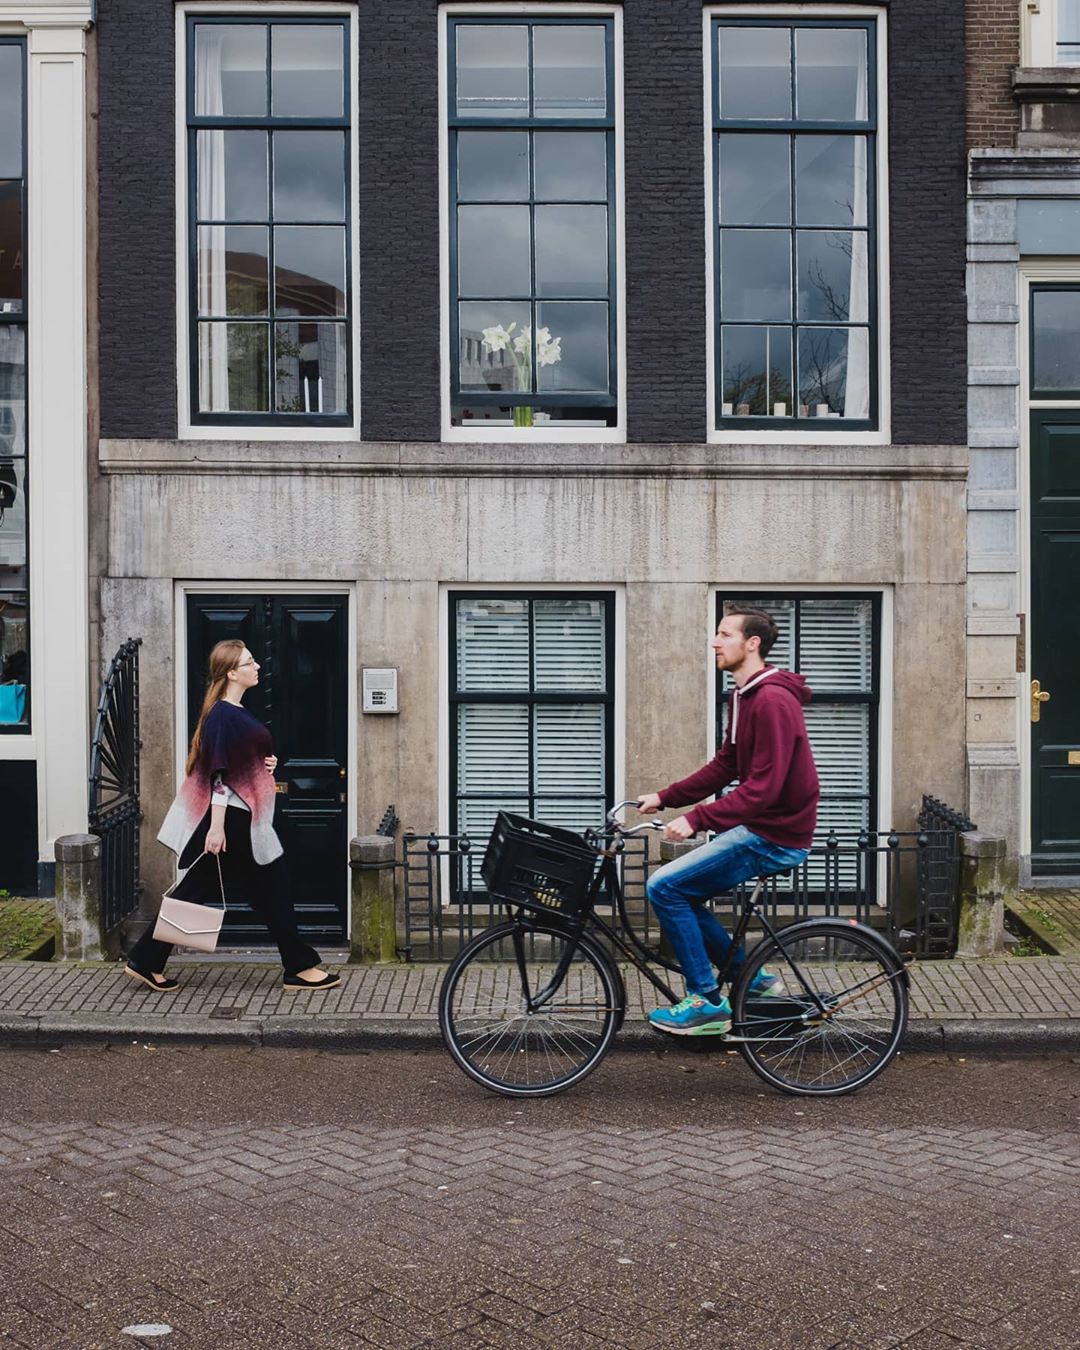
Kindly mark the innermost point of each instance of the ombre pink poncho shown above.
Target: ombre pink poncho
(235, 745)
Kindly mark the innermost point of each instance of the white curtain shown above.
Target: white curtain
(210, 160)
(857, 398)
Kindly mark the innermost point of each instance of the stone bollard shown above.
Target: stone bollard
(983, 882)
(374, 909)
(78, 897)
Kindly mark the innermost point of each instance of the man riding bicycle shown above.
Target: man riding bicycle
(765, 824)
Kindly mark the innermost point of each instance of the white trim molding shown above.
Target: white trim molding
(789, 436)
(241, 431)
(57, 413)
(52, 14)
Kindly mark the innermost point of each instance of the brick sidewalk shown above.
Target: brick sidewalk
(1028, 1003)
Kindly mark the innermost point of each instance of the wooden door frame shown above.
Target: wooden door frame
(1063, 272)
(182, 590)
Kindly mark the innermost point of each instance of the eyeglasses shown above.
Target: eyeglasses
(240, 665)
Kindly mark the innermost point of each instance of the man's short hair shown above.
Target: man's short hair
(755, 623)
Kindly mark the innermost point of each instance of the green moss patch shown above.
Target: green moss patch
(28, 929)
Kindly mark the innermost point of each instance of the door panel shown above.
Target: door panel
(1055, 641)
(301, 643)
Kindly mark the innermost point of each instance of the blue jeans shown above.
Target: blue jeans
(678, 891)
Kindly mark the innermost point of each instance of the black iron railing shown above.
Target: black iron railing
(903, 882)
(113, 811)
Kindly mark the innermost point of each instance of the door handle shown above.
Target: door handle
(1039, 696)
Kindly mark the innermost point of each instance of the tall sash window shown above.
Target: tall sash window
(269, 190)
(794, 107)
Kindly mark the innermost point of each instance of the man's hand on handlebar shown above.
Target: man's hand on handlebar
(649, 805)
(679, 828)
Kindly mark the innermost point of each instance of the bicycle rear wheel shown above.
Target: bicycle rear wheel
(802, 1048)
(511, 1047)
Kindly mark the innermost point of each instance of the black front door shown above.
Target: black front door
(1053, 696)
(300, 641)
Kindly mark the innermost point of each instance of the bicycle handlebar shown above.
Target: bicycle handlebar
(614, 824)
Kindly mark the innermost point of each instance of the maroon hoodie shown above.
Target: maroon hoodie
(767, 749)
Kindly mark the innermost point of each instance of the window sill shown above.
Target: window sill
(1046, 84)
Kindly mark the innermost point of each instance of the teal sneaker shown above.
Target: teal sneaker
(694, 1016)
(765, 985)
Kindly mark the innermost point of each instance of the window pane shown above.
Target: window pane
(755, 73)
(493, 643)
(830, 180)
(493, 166)
(757, 372)
(12, 523)
(234, 374)
(568, 749)
(569, 71)
(492, 70)
(839, 735)
(11, 111)
(572, 351)
(494, 250)
(755, 276)
(230, 70)
(1068, 32)
(571, 166)
(569, 644)
(309, 269)
(492, 351)
(310, 368)
(308, 74)
(834, 372)
(14, 658)
(12, 275)
(835, 638)
(231, 175)
(493, 747)
(309, 175)
(571, 250)
(12, 389)
(233, 269)
(1055, 318)
(755, 179)
(477, 819)
(832, 275)
(830, 74)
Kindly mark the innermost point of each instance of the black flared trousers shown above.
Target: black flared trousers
(265, 887)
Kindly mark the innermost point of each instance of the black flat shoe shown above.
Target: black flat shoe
(160, 984)
(328, 981)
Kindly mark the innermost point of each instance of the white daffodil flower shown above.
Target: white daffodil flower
(497, 338)
(548, 349)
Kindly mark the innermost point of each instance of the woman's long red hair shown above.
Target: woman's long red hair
(224, 657)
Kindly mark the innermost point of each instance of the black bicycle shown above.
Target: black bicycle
(538, 1022)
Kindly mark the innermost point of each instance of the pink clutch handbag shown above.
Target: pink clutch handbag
(188, 925)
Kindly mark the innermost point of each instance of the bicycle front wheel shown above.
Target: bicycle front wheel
(840, 1017)
(492, 1026)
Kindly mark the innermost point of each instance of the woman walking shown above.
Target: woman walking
(225, 807)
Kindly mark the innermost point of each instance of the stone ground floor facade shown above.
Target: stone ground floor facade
(656, 535)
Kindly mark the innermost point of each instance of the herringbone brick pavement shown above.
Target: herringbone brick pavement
(271, 1204)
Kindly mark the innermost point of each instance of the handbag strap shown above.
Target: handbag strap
(221, 883)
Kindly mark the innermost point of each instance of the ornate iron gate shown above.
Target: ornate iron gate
(114, 813)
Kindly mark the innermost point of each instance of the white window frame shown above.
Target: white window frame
(549, 433)
(883, 435)
(1038, 34)
(886, 677)
(222, 586)
(446, 588)
(241, 431)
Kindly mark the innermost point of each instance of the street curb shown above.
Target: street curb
(989, 1036)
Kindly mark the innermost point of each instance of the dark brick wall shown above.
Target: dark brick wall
(137, 178)
(993, 49)
(399, 220)
(665, 221)
(927, 171)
